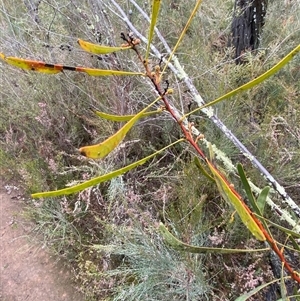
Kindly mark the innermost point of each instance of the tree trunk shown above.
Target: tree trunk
(246, 28)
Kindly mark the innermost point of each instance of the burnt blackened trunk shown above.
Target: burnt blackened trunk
(248, 20)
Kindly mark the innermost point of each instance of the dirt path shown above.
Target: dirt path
(27, 272)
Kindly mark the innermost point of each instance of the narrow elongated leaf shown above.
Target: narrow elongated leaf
(289, 298)
(237, 203)
(193, 13)
(104, 148)
(246, 296)
(286, 230)
(253, 82)
(202, 170)
(55, 68)
(33, 65)
(154, 14)
(287, 247)
(295, 244)
(262, 199)
(247, 188)
(100, 179)
(258, 206)
(283, 290)
(260, 78)
(124, 117)
(181, 246)
(99, 49)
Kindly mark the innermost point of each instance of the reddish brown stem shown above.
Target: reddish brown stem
(190, 139)
(269, 239)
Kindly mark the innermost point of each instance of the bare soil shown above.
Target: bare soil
(27, 271)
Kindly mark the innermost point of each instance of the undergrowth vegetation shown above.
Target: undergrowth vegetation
(108, 232)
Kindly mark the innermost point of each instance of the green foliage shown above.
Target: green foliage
(154, 16)
(46, 119)
(149, 270)
(246, 296)
(55, 224)
(259, 204)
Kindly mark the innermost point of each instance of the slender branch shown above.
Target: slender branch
(180, 73)
(155, 79)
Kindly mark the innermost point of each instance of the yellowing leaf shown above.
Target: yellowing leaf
(55, 68)
(32, 65)
(237, 203)
(104, 148)
(100, 179)
(124, 117)
(99, 49)
(155, 10)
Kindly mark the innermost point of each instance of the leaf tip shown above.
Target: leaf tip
(36, 195)
(83, 152)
